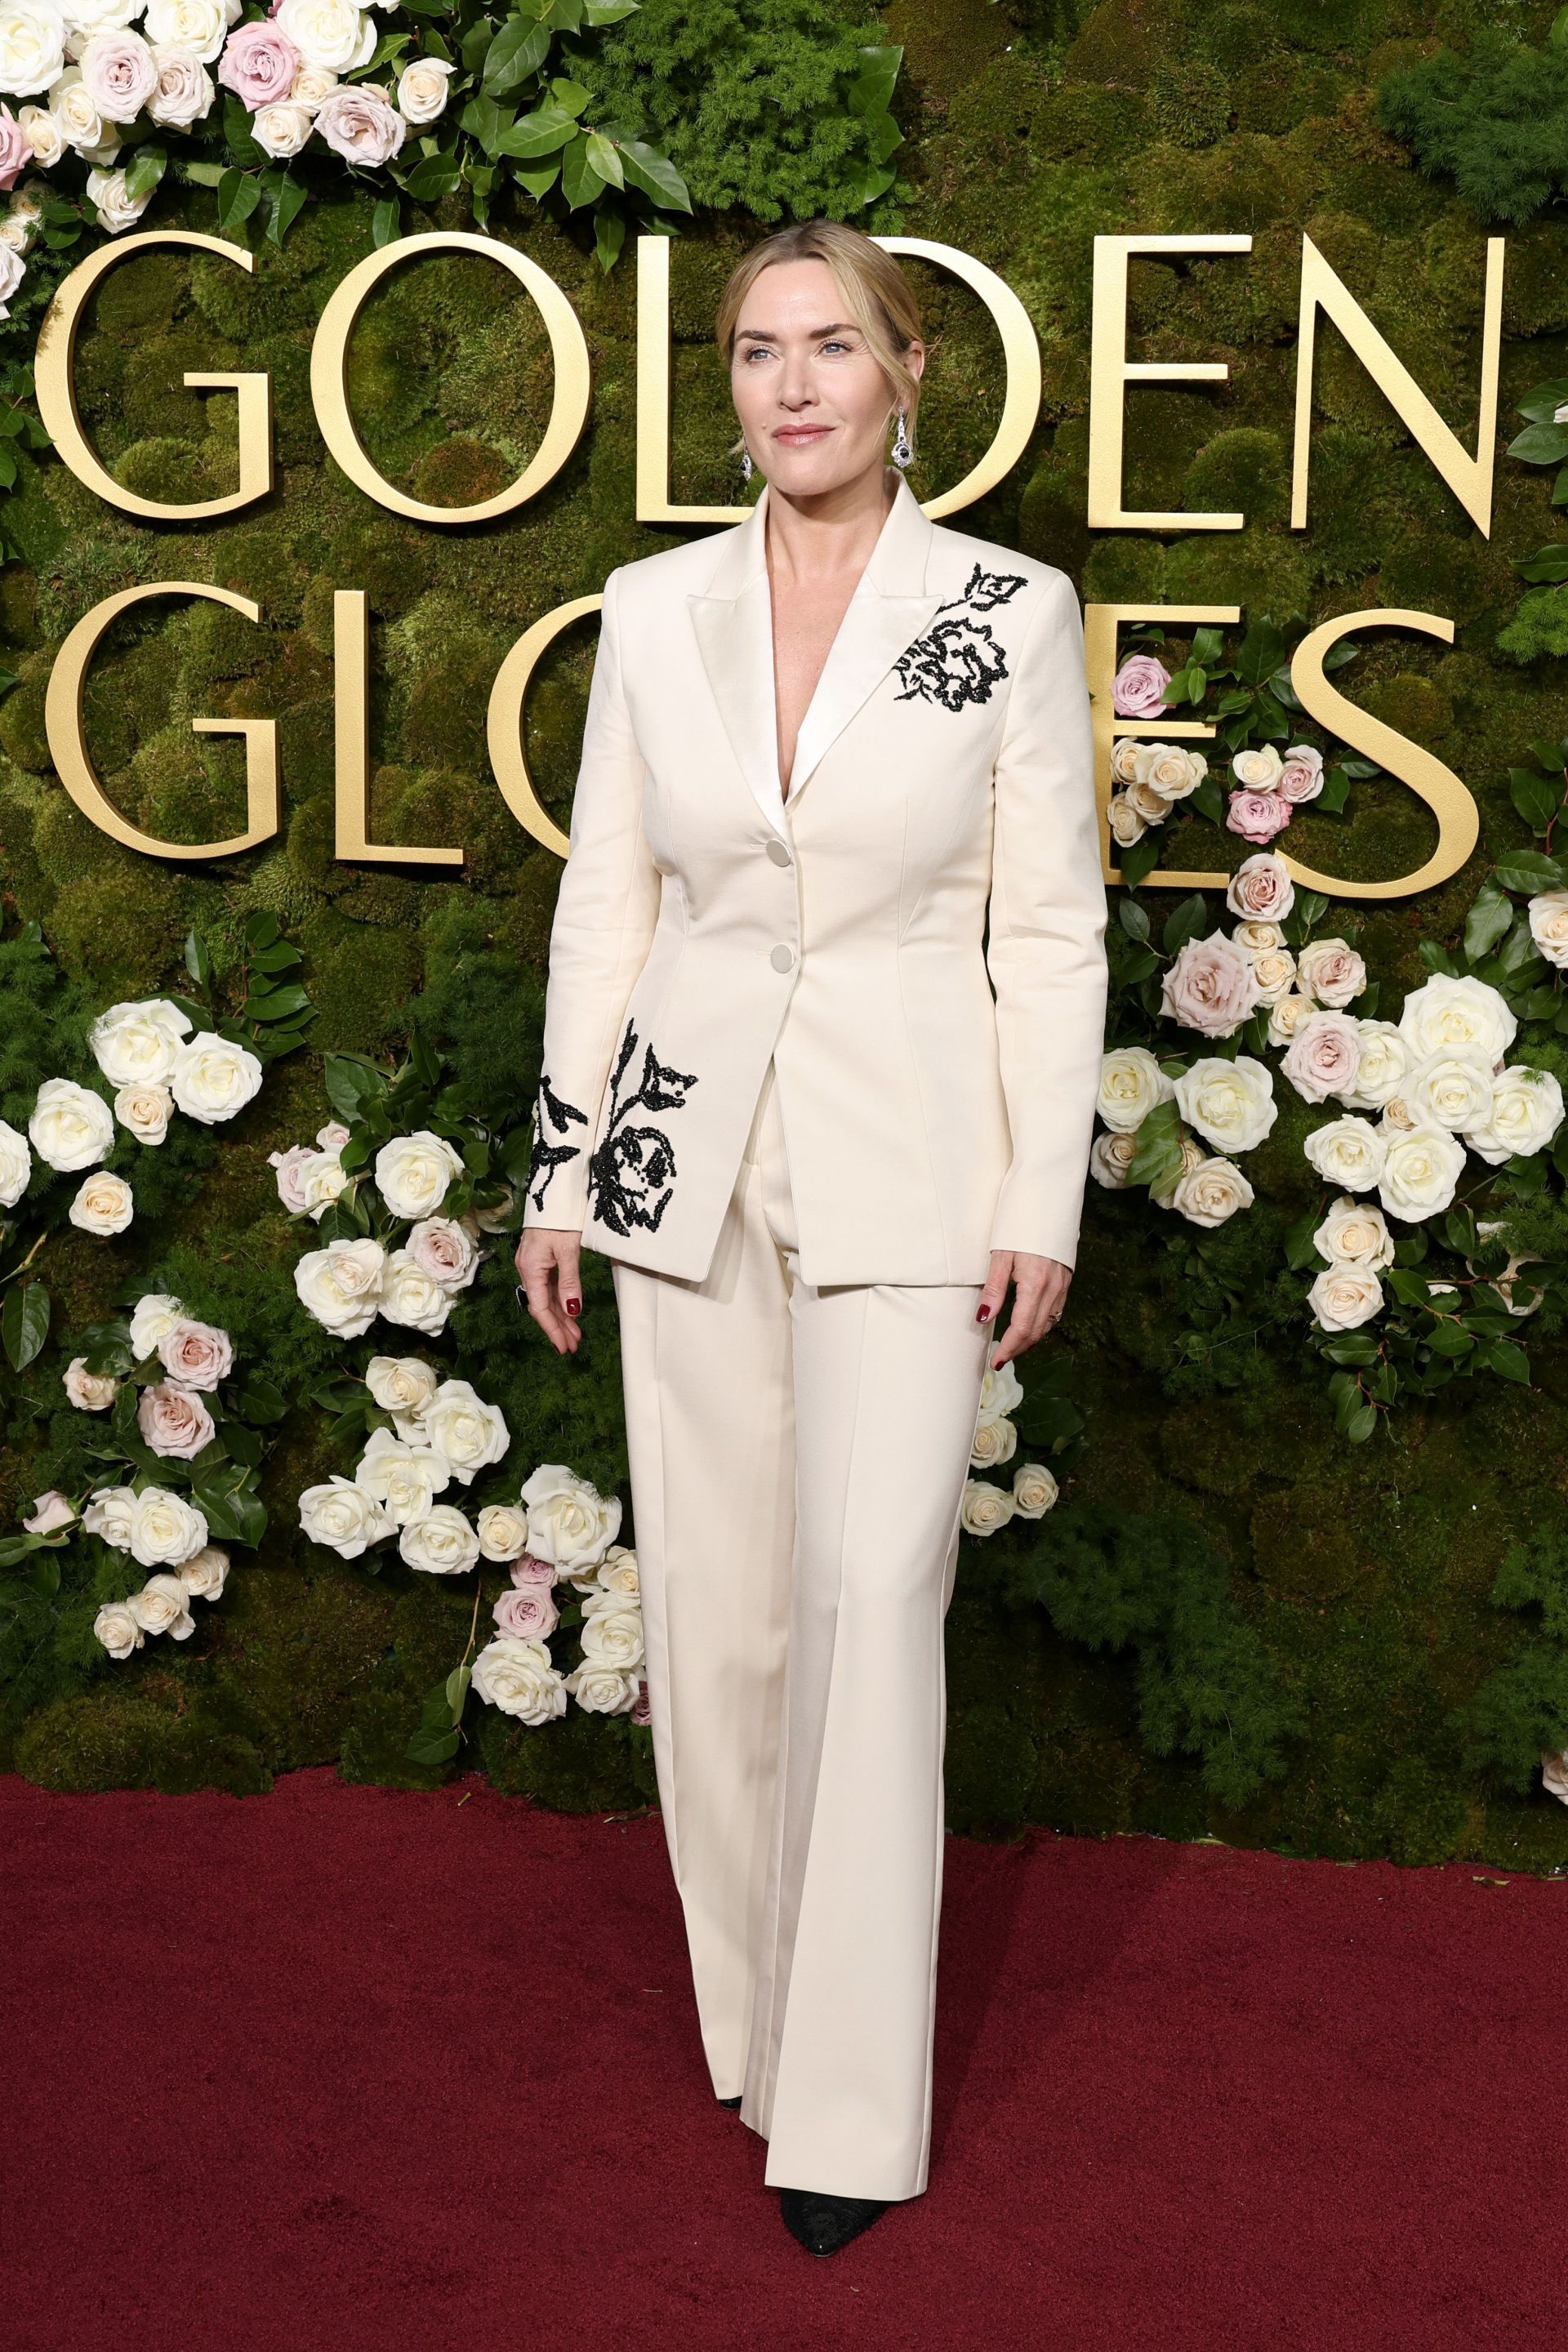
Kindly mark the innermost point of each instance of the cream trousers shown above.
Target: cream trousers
(798, 1458)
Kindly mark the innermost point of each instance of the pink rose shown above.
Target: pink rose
(1138, 689)
(175, 1420)
(1323, 1056)
(15, 152)
(359, 122)
(258, 64)
(49, 1511)
(640, 1712)
(334, 1135)
(1301, 777)
(118, 73)
(529, 1612)
(1258, 816)
(444, 1251)
(197, 1355)
(288, 1164)
(1261, 889)
(1209, 985)
(527, 1570)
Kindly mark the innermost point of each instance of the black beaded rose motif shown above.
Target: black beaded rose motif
(958, 660)
(631, 1172)
(554, 1117)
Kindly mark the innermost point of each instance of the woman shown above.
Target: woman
(779, 1095)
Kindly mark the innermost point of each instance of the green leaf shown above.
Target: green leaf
(1183, 922)
(1209, 801)
(1139, 860)
(383, 219)
(1362, 1424)
(871, 91)
(352, 1084)
(286, 197)
(1336, 789)
(259, 1401)
(518, 49)
(1158, 1155)
(1300, 1247)
(238, 194)
(1351, 1348)
(145, 170)
(24, 1323)
(580, 182)
(1263, 648)
(1539, 445)
(543, 132)
(1134, 918)
(1548, 564)
(604, 159)
(1508, 1361)
(1488, 919)
(657, 177)
(1537, 798)
(434, 177)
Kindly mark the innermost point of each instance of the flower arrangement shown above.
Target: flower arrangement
(1050, 1422)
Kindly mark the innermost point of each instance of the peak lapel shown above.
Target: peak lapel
(733, 623)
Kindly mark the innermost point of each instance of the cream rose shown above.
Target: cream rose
(143, 1111)
(1209, 986)
(984, 1507)
(340, 1284)
(1126, 825)
(1124, 759)
(1382, 1069)
(1258, 771)
(570, 1523)
(203, 1575)
(185, 90)
(1110, 1157)
(517, 1677)
(1255, 938)
(78, 121)
(1331, 970)
(1212, 1191)
(89, 1392)
(1231, 1104)
(613, 1636)
(421, 89)
(470, 1433)
(1420, 1172)
(320, 1182)
(1261, 889)
(70, 1127)
(110, 1515)
(994, 1442)
(16, 1166)
(175, 1420)
(282, 127)
(1344, 1297)
(1275, 972)
(115, 1626)
(1168, 772)
(1287, 1015)
(1035, 1490)
(1348, 1151)
(442, 1543)
(1445, 1013)
(1323, 1056)
(603, 1690)
(104, 1205)
(1526, 1113)
(154, 1316)
(410, 1298)
(51, 1511)
(109, 195)
(136, 1044)
(401, 1385)
(618, 1571)
(414, 1171)
(1451, 1090)
(404, 1479)
(1354, 1235)
(312, 84)
(165, 1529)
(1131, 1084)
(44, 138)
(214, 1077)
(503, 1531)
(163, 1606)
(1549, 926)
(342, 1518)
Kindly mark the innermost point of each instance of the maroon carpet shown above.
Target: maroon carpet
(342, 2070)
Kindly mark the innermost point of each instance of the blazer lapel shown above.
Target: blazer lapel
(734, 628)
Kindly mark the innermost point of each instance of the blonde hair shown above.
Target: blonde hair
(877, 295)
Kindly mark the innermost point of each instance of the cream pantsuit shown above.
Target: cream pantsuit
(798, 1457)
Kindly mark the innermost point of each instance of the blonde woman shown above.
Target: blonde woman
(823, 1120)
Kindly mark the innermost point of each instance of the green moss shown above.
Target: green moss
(113, 1739)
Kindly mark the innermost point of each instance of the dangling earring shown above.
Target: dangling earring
(903, 456)
(745, 465)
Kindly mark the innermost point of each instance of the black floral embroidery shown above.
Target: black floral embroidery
(959, 660)
(556, 1115)
(632, 1169)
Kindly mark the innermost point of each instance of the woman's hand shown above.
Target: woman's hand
(547, 1263)
(1040, 1294)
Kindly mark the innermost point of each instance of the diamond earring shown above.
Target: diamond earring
(903, 455)
(745, 465)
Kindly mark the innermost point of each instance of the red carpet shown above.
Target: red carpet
(344, 2070)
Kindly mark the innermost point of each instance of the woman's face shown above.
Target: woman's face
(812, 403)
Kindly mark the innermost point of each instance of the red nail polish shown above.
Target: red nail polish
(983, 1316)
(573, 1307)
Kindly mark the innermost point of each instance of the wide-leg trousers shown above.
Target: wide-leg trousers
(798, 1456)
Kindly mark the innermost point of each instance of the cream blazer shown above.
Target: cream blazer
(705, 921)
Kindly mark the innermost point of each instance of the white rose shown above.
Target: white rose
(32, 46)
(200, 27)
(51, 1512)
(117, 1629)
(1451, 1090)
(517, 1677)
(1355, 1235)
(333, 34)
(1258, 771)
(1288, 1014)
(343, 1516)
(1231, 1104)
(311, 85)
(1345, 1295)
(214, 1077)
(1420, 1172)
(1035, 1490)
(1332, 971)
(135, 1044)
(154, 1317)
(320, 1180)
(413, 1172)
(203, 1575)
(70, 1127)
(1384, 1062)
(1109, 1159)
(445, 1251)
(104, 1205)
(340, 1284)
(404, 1479)
(442, 1543)
(618, 1571)
(409, 1297)
(75, 110)
(503, 1531)
(117, 209)
(984, 1507)
(468, 1431)
(143, 1111)
(603, 1690)
(1001, 1391)
(282, 127)
(16, 1166)
(570, 1523)
(89, 1392)
(185, 90)
(1526, 1113)
(401, 1385)
(613, 1636)
(1518, 1297)
(1549, 926)
(110, 1515)
(1348, 1151)
(85, 16)
(165, 1529)
(1445, 1013)
(1212, 1191)
(163, 1606)
(421, 89)
(1126, 825)
(996, 1441)
(1131, 1084)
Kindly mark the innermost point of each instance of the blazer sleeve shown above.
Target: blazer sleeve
(1046, 941)
(599, 938)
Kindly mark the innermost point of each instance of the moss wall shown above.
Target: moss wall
(1032, 126)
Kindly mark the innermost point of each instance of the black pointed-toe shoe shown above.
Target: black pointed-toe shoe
(730, 2102)
(822, 2223)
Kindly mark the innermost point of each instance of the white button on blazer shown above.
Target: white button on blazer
(915, 935)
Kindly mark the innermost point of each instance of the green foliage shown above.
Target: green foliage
(1496, 121)
(1521, 1711)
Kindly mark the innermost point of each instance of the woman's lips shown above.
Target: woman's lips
(799, 435)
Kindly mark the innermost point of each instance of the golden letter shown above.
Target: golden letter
(1469, 478)
(54, 378)
(1110, 371)
(503, 721)
(653, 398)
(329, 382)
(1100, 624)
(68, 740)
(351, 666)
(1021, 364)
(1458, 821)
